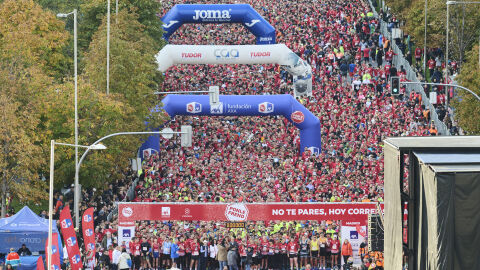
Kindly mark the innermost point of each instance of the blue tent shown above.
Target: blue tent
(25, 227)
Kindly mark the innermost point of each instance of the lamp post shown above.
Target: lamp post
(76, 191)
(50, 196)
(446, 84)
(425, 43)
(108, 46)
(446, 45)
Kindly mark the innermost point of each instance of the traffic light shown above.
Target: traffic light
(395, 86)
(186, 136)
(214, 95)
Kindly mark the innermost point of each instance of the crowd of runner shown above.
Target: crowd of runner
(257, 159)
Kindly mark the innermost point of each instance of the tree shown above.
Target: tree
(467, 107)
(31, 41)
(93, 11)
(134, 78)
(28, 30)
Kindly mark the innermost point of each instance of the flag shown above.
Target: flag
(88, 230)
(70, 238)
(55, 254)
(40, 265)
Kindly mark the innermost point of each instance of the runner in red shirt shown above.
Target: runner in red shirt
(335, 248)
(264, 251)
(418, 54)
(293, 252)
(195, 246)
(156, 253)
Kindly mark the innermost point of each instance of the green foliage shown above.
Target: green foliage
(93, 11)
(467, 107)
(37, 90)
(133, 79)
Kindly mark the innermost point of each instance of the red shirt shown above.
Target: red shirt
(264, 247)
(156, 247)
(293, 247)
(418, 53)
(195, 248)
(335, 246)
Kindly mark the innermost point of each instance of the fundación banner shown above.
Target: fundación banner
(128, 213)
(70, 238)
(88, 230)
(55, 252)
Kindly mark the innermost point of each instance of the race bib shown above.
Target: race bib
(322, 245)
(334, 246)
(144, 248)
(195, 253)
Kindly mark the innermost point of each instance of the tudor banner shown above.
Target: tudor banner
(70, 238)
(128, 213)
(55, 252)
(88, 230)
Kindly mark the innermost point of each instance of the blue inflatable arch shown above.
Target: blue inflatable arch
(248, 105)
(219, 13)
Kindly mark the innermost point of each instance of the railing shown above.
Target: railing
(399, 60)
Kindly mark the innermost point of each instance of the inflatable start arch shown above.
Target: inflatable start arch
(219, 13)
(251, 105)
(240, 54)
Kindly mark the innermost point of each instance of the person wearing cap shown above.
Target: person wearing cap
(13, 259)
(24, 251)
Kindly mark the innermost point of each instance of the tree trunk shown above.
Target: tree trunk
(4, 197)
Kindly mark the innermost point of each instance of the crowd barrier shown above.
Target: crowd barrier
(399, 60)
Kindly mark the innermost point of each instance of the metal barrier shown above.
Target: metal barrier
(130, 196)
(399, 60)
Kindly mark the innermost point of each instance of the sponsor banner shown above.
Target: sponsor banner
(40, 265)
(219, 13)
(233, 54)
(355, 213)
(70, 238)
(55, 252)
(88, 230)
(251, 105)
(355, 235)
(125, 234)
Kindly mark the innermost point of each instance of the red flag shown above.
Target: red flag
(40, 265)
(55, 253)
(88, 231)
(70, 238)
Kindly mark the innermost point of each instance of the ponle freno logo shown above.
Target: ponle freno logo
(212, 14)
(236, 212)
(191, 55)
(265, 107)
(127, 212)
(259, 54)
(297, 117)
(194, 107)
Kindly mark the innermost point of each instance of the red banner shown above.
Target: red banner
(55, 253)
(128, 213)
(40, 265)
(88, 230)
(70, 238)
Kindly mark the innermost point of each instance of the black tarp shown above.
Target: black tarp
(448, 220)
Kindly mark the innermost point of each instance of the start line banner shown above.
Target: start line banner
(128, 213)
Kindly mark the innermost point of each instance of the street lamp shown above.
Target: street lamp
(446, 47)
(50, 199)
(76, 192)
(108, 47)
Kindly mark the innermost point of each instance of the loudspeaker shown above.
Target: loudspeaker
(375, 233)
